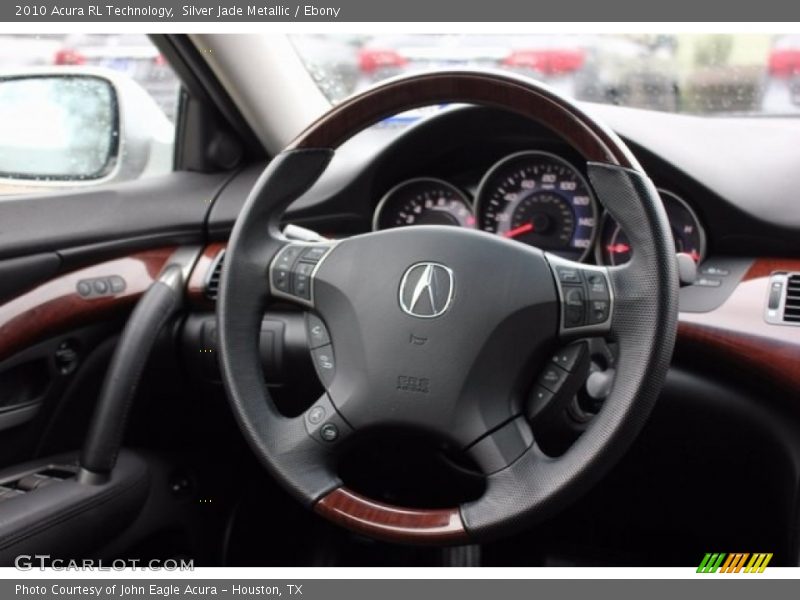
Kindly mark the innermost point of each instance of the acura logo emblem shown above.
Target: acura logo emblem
(426, 290)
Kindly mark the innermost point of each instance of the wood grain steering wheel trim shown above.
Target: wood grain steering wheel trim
(487, 89)
(391, 523)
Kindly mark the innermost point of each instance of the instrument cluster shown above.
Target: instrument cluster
(535, 198)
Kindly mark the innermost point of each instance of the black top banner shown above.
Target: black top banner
(437, 11)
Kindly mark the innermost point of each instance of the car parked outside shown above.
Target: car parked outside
(608, 69)
(781, 87)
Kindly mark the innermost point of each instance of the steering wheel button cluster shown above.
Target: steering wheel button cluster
(292, 269)
(585, 292)
(324, 424)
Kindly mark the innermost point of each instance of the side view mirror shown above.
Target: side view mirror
(65, 126)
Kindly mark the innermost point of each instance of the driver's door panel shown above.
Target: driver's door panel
(74, 265)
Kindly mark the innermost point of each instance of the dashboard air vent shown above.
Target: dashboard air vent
(783, 301)
(791, 307)
(214, 274)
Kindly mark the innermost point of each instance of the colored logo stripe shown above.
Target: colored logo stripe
(710, 563)
(759, 561)
(733, 563)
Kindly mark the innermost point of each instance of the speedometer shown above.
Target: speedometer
(539, 199)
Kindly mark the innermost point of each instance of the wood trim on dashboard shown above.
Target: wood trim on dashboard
(737, 331)
(55, 306)
(392, 523)
(593, 141)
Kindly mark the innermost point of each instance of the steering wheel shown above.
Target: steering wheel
(443, 329)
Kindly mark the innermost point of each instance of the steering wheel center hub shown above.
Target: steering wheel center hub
(434, 327)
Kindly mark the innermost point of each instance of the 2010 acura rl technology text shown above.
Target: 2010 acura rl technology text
(404, 300)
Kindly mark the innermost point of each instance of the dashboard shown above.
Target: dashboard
(728, 187)
(735, 178)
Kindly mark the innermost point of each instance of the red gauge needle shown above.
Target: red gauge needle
(695, 255)
(618, 248)
(512, 233)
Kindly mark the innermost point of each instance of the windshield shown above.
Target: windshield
(687, 73)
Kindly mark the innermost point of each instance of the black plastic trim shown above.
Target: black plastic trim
(173, 206)
(203, 85)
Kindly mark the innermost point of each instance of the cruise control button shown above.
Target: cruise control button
(568, 357)
(552, 378)
(317, 332)
(324, 362)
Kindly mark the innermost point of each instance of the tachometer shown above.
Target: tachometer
(539, 199)
(614, 247)
(423, 201)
